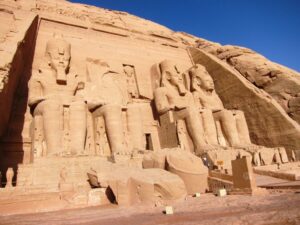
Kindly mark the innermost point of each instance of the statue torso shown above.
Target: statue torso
(50, 87)
(179, 101)
(208, 101)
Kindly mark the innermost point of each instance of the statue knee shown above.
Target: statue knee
(239, 114)
(51, 105)
(114, 108)
(206, 110)
(78, 106)
(112, 111)
(226, 114)
(191, 112)
(207, 113)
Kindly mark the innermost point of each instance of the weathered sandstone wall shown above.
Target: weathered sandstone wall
(119, 39)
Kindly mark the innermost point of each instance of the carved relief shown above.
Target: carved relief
(3, 78)
(132, 88)
(101, 139)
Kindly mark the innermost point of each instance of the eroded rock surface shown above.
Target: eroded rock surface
(282, 83)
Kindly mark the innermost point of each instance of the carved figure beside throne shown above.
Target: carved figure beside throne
(59, 111)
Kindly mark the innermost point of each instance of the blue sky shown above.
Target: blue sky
(270, 27)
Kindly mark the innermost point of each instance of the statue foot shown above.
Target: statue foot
(121, 157)
(66, 154)
(82, 153)
(247, 147)
(201, 149)
(124, 152)
(55, 154)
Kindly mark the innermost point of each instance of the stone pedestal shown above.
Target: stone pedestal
(45, 173)
(243, 177)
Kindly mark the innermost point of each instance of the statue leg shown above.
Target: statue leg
(194, 127)
(209, 126)
(229, 128)
(52, 120)
(242, 127)
(135, 126)
(78, 125)
(114, 127)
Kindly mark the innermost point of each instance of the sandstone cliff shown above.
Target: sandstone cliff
(268, 93)
(282, 83)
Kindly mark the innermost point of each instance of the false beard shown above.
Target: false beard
(181, 88)
(61, 75)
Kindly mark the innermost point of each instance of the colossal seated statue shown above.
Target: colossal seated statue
(232, 122)
(106, 97)
(53, 97)
(172, 96)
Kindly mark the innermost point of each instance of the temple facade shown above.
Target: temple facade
(88, 93)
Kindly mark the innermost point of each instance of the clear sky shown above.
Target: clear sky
(270, 27)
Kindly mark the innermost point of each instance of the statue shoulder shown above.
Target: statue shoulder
(215, 94)
(195, 94)
(161, 88)
(36, 76)
(73, 74)
(160, 91)
(199, 94)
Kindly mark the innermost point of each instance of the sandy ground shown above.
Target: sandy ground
(276, 208)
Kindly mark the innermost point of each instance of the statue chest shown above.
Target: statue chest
(51, 87)
(183, 101)
(211, 102)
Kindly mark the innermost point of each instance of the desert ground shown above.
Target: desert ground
(279, 207)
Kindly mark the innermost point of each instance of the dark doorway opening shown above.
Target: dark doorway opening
(149, 143)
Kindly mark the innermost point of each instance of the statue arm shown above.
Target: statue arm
(35, 92)
(92, 98)
(219, 103)
(197, 101)
(79, 85)
(162, 102)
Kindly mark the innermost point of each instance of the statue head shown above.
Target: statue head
(201, 79)
(172, 76)
(58, 53)
(129, 71)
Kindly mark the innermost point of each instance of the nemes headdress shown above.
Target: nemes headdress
(58, 43)
(194, 71)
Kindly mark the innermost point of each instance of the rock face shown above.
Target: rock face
(87, 89)
(262, 112)
(16, 51)
(282, 83)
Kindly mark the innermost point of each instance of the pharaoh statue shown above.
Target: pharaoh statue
(215, 118)
(173, 97)
(56, 102)
(106, 97)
